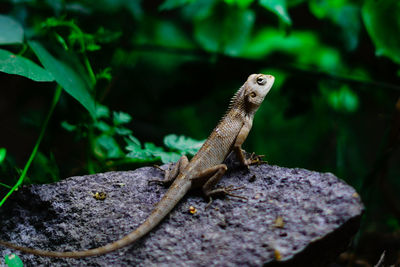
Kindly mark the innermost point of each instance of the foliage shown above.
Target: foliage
(180, 145)
(172, 65)
(13, 261)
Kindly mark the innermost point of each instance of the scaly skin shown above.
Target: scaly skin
(204, 170)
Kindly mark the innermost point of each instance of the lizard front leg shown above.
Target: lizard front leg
(171, 174)
(237, 147)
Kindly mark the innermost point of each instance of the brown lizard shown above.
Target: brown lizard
(204, 170)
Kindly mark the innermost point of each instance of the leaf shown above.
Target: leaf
(122, 131)
(121, 118)
(227, 34)
(106, 147)
(152, 148)
(133, 142)
(13, 64)
(3, 153)
(381, 18)
(240, 3)
(183, 144)
(342, 99)
(167, 157)
(13, 261)
(149, 153)
(136, 150)
(69, 127)
(279, 7)
(159, 152)
(104, 74)
(198, 10)
(102, 111)
(302, 45)
(171, 4)
(344, 14)
(170, 35)
(102, 126)
(64, 75)
(11, 31)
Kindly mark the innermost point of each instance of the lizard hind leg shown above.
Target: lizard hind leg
(171, 173)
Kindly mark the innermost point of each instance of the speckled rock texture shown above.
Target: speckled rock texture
(293, 217)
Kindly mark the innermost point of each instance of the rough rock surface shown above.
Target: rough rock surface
(293, 217)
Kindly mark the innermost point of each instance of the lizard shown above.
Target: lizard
(203, 171)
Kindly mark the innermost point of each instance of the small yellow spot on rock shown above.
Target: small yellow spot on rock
(192, 210)
(355, 195)
(279, 223)
(278, 255)
(100, 195)
(257, 196)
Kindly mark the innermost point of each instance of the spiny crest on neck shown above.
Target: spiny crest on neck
(237, 98)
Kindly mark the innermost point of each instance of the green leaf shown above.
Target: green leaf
(167, 157)
(11, 31)
(64, 75)
(69, 127)
(170, 35)
(13, 64)
(121, 118)
(122, 131)
(345, 14)
(303, 46)
(152, 148)
(102, 111)
(13, 261)
(279, 7)
(171, 4)
(104, 74)
(3, 153)
(228, 33)
(102, 126)
(381, 18)
(183, 144)
(158, 152)
(240, 3)
(342, 99)
(136, 150)
(107, 148)
(149, 153)
(133, 142)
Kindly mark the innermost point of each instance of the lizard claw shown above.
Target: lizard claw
(255, 159)
(158, 167)
(226, 191)
(157, 181)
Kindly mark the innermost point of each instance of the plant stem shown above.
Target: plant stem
(36, 147)
(89, 69)
(90, 165)
(7, 186)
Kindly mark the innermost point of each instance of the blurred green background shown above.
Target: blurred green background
(133, 76)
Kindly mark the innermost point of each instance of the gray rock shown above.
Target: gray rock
(293, 217)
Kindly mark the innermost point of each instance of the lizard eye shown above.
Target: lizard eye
(261, 81)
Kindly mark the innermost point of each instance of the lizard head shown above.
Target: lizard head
(256, 88)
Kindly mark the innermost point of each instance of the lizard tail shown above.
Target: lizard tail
(166, 204)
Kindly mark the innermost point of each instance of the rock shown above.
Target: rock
(293, 217)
